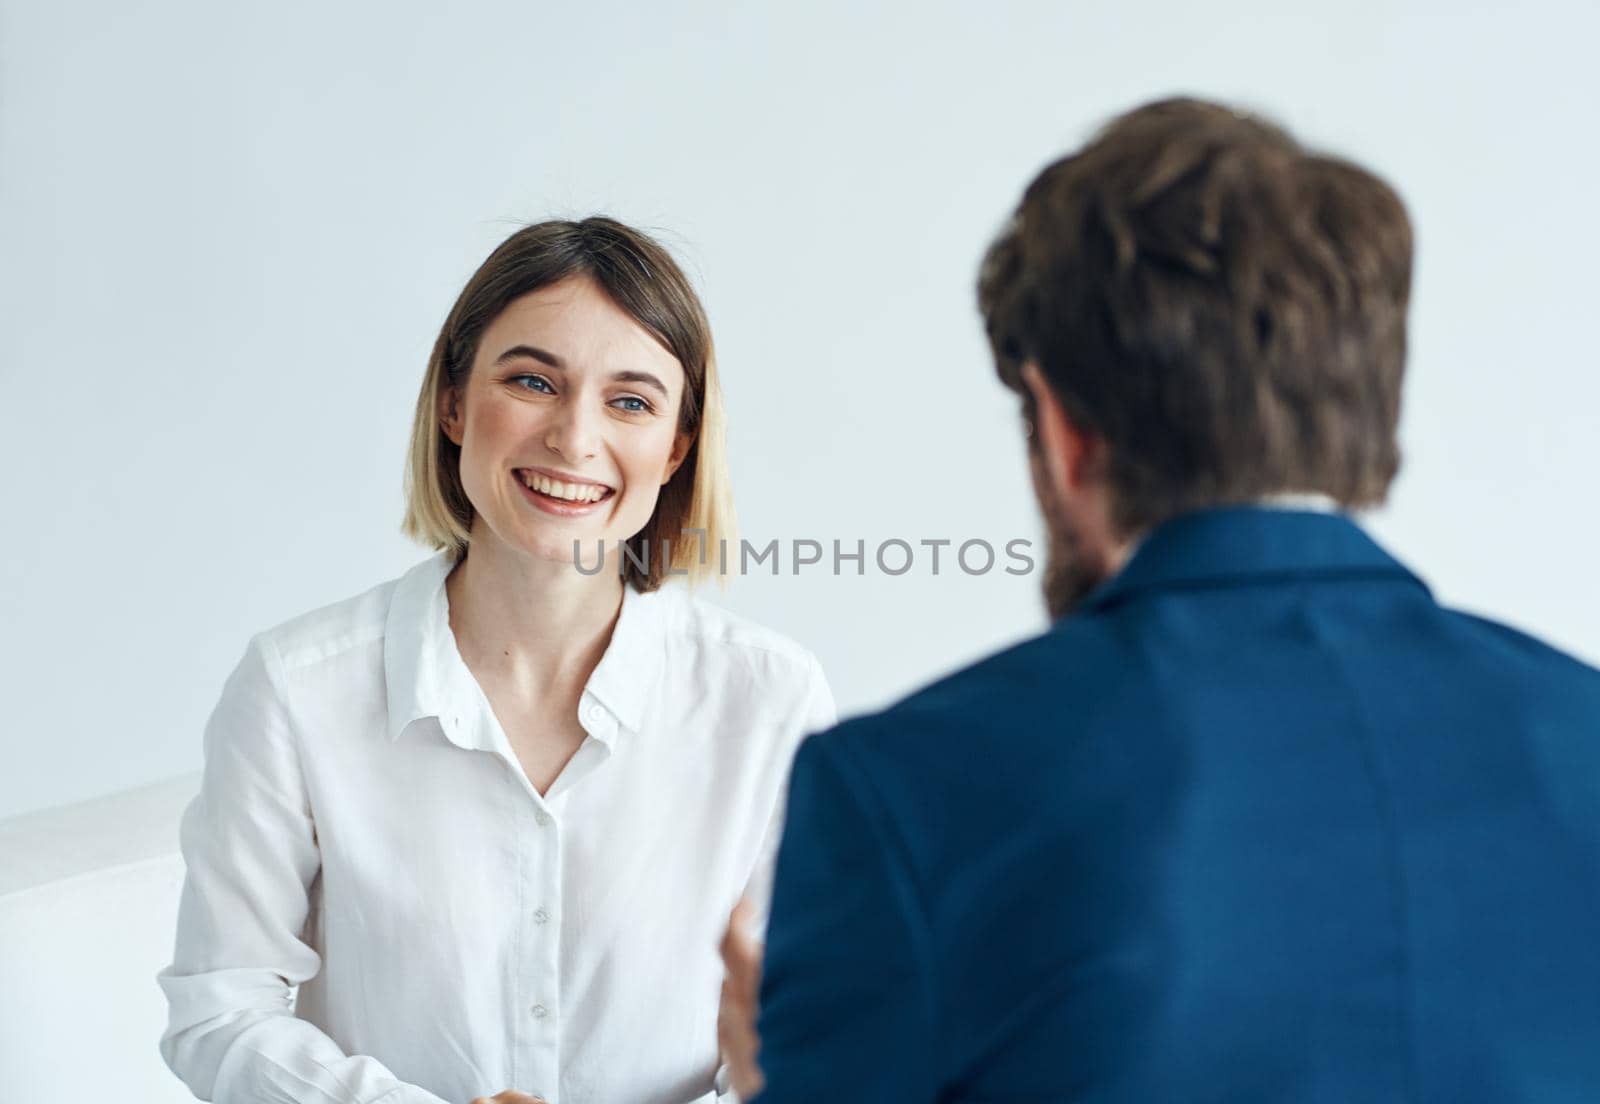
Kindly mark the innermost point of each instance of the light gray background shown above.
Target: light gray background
(228, 235)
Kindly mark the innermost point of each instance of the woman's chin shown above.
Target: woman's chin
(573, 549)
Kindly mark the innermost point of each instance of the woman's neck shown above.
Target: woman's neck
(533, 624)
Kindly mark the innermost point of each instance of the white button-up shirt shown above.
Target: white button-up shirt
(365, 832)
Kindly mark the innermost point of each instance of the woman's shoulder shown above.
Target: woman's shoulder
(718, 631)
(762, 670)
(346, 624)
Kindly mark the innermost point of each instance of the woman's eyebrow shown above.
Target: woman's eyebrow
(530, 351)
(641, 377)
(546, 357)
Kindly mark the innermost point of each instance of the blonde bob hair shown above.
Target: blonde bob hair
(642, 279)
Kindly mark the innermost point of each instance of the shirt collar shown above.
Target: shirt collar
(414, 661)
(1249, 543)
(426, 676)
(626, 675)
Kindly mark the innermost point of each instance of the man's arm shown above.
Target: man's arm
(847, 996)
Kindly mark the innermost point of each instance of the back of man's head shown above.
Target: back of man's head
(1225, 309)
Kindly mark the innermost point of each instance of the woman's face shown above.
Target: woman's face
(568, 426)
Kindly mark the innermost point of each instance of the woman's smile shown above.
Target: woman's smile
(564, 498)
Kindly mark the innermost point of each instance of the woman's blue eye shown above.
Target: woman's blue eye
(630, 404)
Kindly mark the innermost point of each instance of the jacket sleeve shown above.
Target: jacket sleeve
(250, 848)
(847, 995)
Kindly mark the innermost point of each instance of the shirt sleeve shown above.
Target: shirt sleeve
(250, 847)
(817, 714)
(847, 994)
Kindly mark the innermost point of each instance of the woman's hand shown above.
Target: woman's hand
(510, 1096)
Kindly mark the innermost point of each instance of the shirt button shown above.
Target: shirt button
(540, 916)
(593, 714)
(539, 1011)
(541, 818)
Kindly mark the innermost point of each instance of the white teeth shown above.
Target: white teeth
(571, 492)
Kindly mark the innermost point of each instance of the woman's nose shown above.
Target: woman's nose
(573, 432)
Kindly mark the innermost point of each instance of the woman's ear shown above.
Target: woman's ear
(680, 452)
(450, 413)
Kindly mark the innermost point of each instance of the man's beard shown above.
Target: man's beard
(1068, 577)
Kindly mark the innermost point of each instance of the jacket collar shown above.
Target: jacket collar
(1245, 544)
(425, 675)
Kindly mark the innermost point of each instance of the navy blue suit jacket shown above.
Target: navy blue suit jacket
(1260, 822)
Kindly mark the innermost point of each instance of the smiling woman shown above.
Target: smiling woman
(584, 320)
(475, 833)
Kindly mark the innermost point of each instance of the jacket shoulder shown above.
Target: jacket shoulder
(998, 694)
(1523, 648)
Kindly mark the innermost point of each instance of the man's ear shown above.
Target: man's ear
(450, 413)
(1071, 456)
(680, 452)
